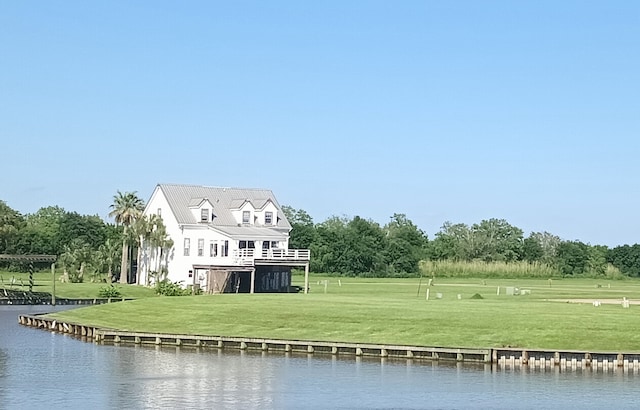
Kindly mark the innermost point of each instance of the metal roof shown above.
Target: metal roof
(252, 232)
(182, 197)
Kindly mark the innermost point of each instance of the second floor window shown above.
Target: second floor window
(245, 217)
(187, 246)
(247, 245)
(200, 247)
(225, 248)
(204, 215)
(213, 249)
(268, 218)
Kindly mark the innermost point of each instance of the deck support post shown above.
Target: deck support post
(306, 278)
(253, 280)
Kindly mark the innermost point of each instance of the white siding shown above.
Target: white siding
(179, 265)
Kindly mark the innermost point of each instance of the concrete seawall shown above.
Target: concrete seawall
(503, 358)
(30, 300)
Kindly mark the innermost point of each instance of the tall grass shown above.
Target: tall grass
(507, 270)
(477, 269)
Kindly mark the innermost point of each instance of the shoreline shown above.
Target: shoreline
(35, 301)
(503, 357)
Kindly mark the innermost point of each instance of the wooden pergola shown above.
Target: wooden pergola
(31, 259)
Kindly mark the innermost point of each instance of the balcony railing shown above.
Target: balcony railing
(247, 256)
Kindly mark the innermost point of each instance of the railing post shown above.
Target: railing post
(31, 276)
(53, 284)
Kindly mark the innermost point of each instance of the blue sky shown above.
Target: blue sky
(445, 111)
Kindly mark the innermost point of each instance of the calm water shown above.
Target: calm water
(41, 370)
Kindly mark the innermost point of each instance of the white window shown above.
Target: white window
(187, 246)
(213, 248)
(225, 248)
(200, 247)
(204, 215)
(159, 211)
(246, 215)
(268, 218)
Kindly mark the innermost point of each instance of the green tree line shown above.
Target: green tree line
(362, 247)
(90, 248)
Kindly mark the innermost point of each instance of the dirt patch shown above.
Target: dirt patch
(603, 301)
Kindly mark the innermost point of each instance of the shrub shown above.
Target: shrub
(168, 288)
(109, 292)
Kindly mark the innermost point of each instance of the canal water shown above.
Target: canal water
(43, 370)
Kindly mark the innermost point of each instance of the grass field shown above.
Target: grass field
(391, 311)
(43, 282)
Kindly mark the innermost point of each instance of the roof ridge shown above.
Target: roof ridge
(215, 187)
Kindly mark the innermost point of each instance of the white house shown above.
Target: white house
(224, 239)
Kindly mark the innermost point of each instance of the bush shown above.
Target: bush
(109, 292)
(168, 288)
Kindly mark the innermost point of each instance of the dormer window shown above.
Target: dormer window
(246, 215)
(268, 218)
(204, 215)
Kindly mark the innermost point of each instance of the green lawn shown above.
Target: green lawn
(390, 311)
(43, 282)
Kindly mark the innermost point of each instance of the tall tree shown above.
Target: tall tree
(303, 232)
(572, 257)
(598, 259)
(365, 245)
(160, 242)
(548, 244)
(140, 231)
(109, 253)
(330, 247)
(90, 228)
(77, 259)
(126, 208)
(626, 258)
(532, 249)
(405, 245)
(10, 223)
(454, 242)
(496, 240)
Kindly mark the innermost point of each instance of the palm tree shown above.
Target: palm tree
(160, 241)
(142, 230)
(126, 208)
(109, 255)
(77, 257)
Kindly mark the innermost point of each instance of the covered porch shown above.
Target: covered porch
(257, 278)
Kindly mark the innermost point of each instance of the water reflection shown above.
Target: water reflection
(39, 369)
